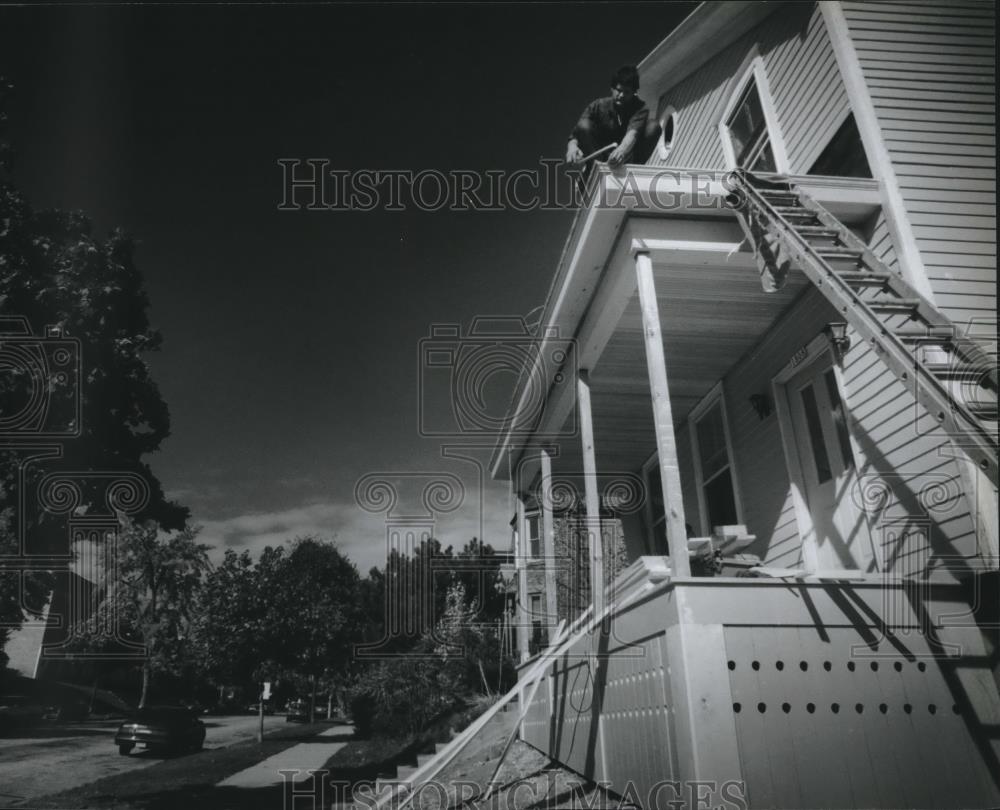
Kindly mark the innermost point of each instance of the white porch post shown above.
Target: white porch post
(663, 420)
(591, 497)
(521, 567)
(548, 543)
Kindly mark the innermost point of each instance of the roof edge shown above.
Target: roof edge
(701, 35)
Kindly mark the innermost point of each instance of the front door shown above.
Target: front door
(828, 473)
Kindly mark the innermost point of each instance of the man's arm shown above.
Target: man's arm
(636, 126)
(580, 137)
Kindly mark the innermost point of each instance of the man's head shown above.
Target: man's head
(624, 84)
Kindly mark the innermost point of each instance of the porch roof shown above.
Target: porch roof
(712, 307)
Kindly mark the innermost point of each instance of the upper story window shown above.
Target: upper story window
(533, 526)
(844, 155)
(713, 464)
(749, 125)
(748, 132)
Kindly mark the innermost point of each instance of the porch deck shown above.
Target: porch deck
(871, 692)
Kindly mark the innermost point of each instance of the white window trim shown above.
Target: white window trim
(708, 401)
(537, 515)
(755, 70)
(663, 150)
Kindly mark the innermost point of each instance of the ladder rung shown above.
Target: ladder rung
(893, 303)
(933, 334)
(826, 255)
(839, 251)
(867, 279)
(817, 230)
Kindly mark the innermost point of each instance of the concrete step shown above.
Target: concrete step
(404, 772)
(386, 783)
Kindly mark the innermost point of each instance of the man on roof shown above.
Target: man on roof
(621, 118)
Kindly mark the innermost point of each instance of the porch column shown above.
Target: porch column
(663, 420)
(548, 544)
(591, 497)
(521, 569)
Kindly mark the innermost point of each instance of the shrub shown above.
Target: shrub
(363, 707)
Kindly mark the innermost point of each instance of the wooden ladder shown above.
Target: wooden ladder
(949, 372)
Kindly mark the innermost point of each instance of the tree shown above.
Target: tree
(295, 614)
(408, 597)
(150, 599)
(55, 273)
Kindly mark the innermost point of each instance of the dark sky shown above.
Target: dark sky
(290, 361)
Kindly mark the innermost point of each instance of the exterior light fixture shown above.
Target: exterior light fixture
(836, 332)
(761, 405)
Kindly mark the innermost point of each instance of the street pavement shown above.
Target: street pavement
(53, 759)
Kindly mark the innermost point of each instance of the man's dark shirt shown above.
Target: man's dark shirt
(602, 123)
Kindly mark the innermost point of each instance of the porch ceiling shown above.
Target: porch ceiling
(711, 317)
(712, 307)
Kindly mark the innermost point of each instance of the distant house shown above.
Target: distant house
(793, 368)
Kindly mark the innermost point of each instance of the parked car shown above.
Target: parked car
(254, 708)
(165, 728)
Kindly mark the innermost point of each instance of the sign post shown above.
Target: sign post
(265, 693)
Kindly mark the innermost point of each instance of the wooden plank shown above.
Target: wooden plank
(775, 732)
(815, 758)
(521, 563)
(662, 417)
(548, 540)
(754, 753)
(591, 497)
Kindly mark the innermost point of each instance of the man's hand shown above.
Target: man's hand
(617, 157)
(620, 155)
(573, 152)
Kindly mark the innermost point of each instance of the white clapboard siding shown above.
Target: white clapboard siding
(931, 71)
(808, 93)
(902, 451)
(765, 488)
(899, 448)
(881, 243)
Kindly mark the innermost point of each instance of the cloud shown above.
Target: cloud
(358, 534)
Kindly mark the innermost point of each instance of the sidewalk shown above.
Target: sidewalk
(302, 757)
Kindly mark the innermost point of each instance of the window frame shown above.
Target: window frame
(654, 523)
(754, 72)
(664, 147)
(707, 403)
(533, 545)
